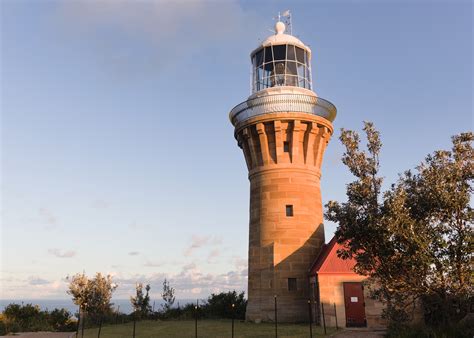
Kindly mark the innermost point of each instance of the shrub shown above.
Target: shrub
(60, 320)
(220, 305)
(29, 317)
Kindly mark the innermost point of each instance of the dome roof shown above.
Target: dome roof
(280, 38)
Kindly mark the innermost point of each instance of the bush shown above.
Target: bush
(60, 320)
(462, 329)
(29, 317)
(220, 305)
(216, 306)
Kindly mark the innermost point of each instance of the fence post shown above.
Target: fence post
(78, 322)
(134, 323)
(276, 318)
(310, 319)
(335, 315)
(233, 307)
(83, 321)
(324, 319)
(196, 319)
(117, 315)
(100, 327)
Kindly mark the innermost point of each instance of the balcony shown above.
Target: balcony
(282, 103)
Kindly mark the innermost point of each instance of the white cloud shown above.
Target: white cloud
(153, 264)
(62, 253)
(198, 242)
(213, 255)
(133, 253)
(48, 217)
(38, 281)
(190, 282)
(168, 30)
(136, 226)
(100, 204)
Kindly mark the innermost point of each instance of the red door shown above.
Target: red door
(354, 302)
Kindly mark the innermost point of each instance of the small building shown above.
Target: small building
(341, 293)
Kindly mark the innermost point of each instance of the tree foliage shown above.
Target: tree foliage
(29, 317)
(226, 305)
(167, 295)
(141, 301)
(93, 295)
(415, 240)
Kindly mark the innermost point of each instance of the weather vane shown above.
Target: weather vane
(286, 16)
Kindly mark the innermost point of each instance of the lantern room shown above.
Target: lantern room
(281, 60)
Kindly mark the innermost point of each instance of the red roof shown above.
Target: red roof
(328, 262)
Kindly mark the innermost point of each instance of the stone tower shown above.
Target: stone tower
(283, 129)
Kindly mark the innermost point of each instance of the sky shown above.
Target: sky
(117, 155)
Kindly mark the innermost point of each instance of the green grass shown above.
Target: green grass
(206, 329)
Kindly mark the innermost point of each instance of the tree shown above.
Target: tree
(167, 295)
(226, 305)
(415, 240)
(92, 295)
(141, 301)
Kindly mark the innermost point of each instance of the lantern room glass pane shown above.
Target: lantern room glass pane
(300, 55)
(279, 52)
(259, 58)
(291, 53)
(301, 70)
(291, 80)
(268, 54)
(278, 74)
(291, 68)
(301, 82)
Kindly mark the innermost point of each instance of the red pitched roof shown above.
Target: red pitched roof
(328, 262)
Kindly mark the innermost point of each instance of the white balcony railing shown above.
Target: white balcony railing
(281, 103)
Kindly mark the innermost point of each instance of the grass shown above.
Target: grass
(206, 329)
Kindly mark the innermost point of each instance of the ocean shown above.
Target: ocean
(122, 305)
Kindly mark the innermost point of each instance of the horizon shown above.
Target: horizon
(117, 152)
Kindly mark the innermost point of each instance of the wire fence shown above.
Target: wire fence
(199, 329)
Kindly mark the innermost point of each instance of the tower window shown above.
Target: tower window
(286, 147)
(289, 210)
(292, 284)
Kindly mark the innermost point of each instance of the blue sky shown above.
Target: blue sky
(116, 149)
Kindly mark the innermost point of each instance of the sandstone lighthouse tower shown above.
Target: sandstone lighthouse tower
(283, 129)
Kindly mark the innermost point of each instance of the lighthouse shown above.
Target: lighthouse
(283, 129)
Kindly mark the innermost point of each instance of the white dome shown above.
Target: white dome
(280, 38)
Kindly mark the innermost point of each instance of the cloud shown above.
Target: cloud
(190, 282)
(168, 31)
(48, 217)
(240, 263)
(211, 258)
(135, 226)
(133, 253)
(199, 242)
(100, 204)
(153, 264)
(37, 281)
(62, 253)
